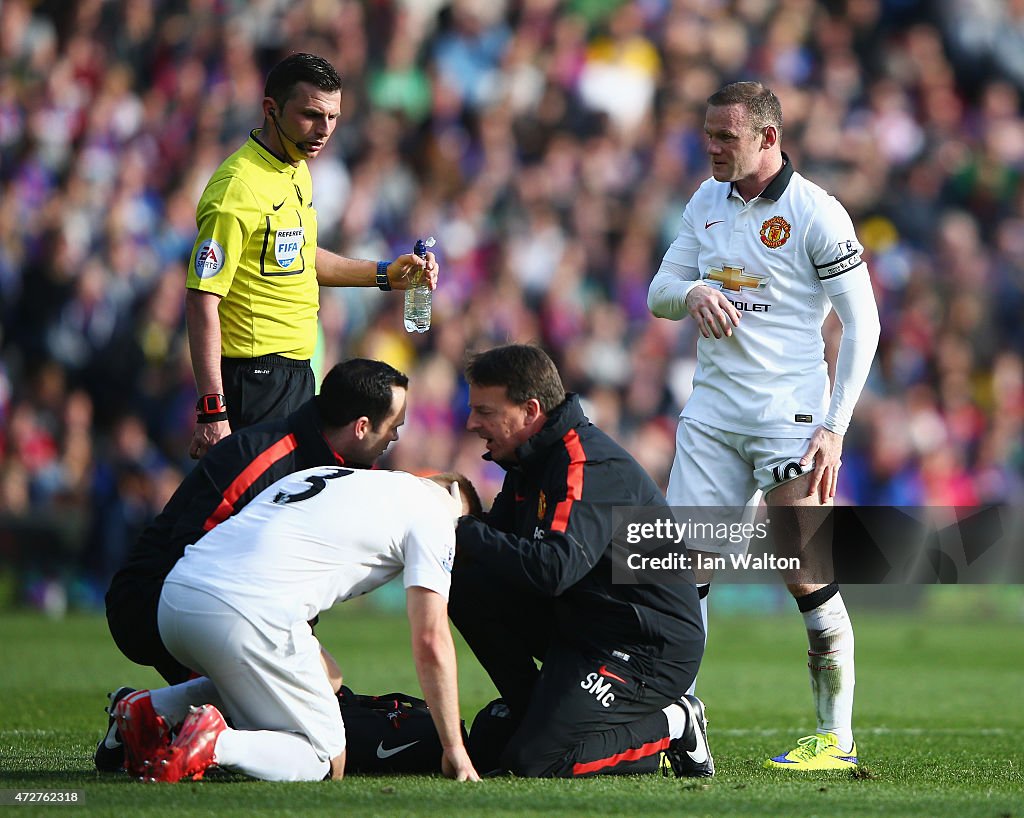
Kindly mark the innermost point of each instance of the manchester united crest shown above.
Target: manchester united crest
(775, 232)
(542, 506)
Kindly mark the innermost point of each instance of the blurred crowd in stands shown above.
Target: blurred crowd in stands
(550, 146)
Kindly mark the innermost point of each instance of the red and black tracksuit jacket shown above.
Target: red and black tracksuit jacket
(533, 580)
(230, 475)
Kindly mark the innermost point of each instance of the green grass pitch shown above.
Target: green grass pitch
(939, 721)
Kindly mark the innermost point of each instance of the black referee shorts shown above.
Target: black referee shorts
(264, 388)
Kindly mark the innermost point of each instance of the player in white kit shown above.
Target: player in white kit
(761, 257)
(236, 608)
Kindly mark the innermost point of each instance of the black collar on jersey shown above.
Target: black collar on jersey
(279, 161)
(777, 186)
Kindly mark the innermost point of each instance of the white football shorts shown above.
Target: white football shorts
(268, 678)
(724, 473)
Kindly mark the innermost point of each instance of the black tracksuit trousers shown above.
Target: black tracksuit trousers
(594, 706)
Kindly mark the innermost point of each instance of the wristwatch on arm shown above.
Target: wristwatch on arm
(382, 275)
(211, 408)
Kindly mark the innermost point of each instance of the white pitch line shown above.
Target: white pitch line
(873, 731)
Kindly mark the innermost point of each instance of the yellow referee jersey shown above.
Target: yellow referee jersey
(257, 248)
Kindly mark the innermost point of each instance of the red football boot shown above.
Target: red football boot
(143, 732)
(191, 753)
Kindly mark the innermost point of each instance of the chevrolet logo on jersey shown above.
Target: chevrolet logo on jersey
(734, 279)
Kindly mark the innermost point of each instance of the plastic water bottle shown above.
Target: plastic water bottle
(418, 296)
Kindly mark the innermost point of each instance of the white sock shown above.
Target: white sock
(703, 588)
(830, 661)
(676, 720)
(173, 702)
(269, 755)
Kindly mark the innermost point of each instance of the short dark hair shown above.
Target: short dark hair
(469, 492)
(759, 100)
(524, 370)
(296, 68)
(358, 387)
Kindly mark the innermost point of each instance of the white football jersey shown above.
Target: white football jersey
(776, 258)
(324, 535)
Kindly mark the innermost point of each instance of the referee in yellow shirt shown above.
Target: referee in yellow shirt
(253, 288)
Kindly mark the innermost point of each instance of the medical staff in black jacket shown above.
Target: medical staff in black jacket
(533, 581)
(358, 412)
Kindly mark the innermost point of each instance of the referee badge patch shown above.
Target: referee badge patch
(775, 232)
(209, 259)
(287, 244)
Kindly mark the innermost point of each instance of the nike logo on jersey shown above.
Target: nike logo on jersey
(711, 224)
(603, 670)
(279, 206)
(382, 753)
